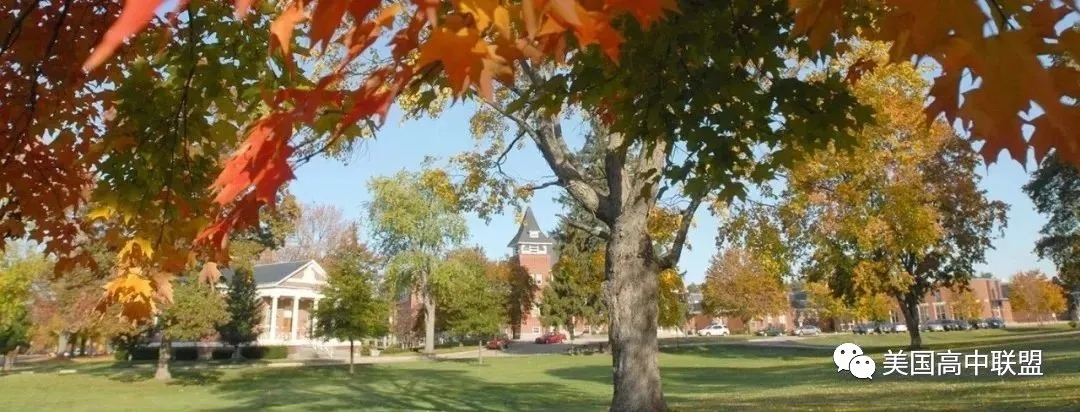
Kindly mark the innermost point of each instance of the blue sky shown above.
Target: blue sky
(404, 145)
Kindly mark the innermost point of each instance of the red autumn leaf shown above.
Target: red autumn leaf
(283, 26)
(326, 18)
(134, 18)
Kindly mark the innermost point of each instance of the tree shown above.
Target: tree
(826, 305)
(244, 308)
(261, 242)
(736, 285)
(473, 299)
(1054, 188)
(965, 305)
(319, 230)
(196, 311)
(672, 301)
(521, 291)
(1033, 293)
(876, 307)
(351, 308)
(18, 267)
(574, 293)
(900, 213)
(754, 39)
(413, 224)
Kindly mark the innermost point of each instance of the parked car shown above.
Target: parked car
(963, 325)
(995, 323)
(899, 328)
(935, 326)
(980, 324)
(771, 331)
(883, 327)
(861, 329)
(551, 337)
(714, 330)
(807, 330)
(500, 342)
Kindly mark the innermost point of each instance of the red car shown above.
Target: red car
(500, 342)
(551, 337)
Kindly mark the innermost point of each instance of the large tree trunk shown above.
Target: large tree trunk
(632, 294)
(909, 305)
(164, 353)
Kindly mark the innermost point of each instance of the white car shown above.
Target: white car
(714, 330)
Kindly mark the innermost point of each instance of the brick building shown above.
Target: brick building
(990, 293)
(535, 251)
(698, 320)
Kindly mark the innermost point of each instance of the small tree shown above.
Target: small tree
(197, 310)
(245, 311)
(351, 310)
(1033, 293)
(18, 267)
(572, 294)
(474, 299)
(737, 285)
(965, 305)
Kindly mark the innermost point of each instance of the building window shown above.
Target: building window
(535, 234)
(536, 329)
(939, 308)
(538, 279)
(530, 249)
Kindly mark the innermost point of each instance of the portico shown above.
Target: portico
(289, 316)
(290, 292)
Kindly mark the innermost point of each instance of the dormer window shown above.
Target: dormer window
(535, 234)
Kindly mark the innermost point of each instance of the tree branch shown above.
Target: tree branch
(542, 185)
(597, 231)
(671, 258)
(549, 139)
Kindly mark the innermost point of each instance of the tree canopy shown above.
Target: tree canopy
(713, 79)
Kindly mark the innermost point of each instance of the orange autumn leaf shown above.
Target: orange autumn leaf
(461, 51)
(133, 292)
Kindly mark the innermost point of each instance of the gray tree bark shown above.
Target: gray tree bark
(909, 306)
(164, 353)
(632, 294)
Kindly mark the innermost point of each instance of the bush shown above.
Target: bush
(221, 354)
(394, 349)
(144, 353)
(120, 355)
(186, 354)
(264, 352)
(365, 351)
(1072, 324)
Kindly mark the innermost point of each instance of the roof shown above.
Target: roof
(529, 226)
(270, 273)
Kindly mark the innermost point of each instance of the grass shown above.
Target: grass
(711, 377)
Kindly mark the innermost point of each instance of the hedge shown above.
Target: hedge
(191, 353)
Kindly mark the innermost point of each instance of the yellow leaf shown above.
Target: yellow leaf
(133, 292)
(143, 248)
(103, 213)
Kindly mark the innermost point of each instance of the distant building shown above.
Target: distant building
(289, 292)
(535, 251)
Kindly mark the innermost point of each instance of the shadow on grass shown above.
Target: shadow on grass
(181, 376)
(376, 387)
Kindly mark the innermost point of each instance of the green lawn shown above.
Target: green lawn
(702, 378)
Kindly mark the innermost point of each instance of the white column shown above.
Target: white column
(295, 317)
(273, 317)
(314, 308)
